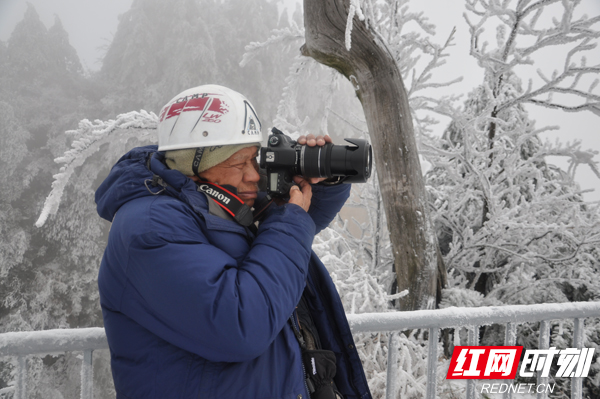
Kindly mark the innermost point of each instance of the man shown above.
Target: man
(197, 301)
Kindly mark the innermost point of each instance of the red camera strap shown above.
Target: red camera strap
(226, 197)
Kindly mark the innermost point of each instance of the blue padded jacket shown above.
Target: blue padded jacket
(197, 306)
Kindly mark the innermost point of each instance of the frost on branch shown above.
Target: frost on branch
(285, 37)
(411, 38)
(355, 9)
(511, 223)
(576, 156)
(287, 117)
(89, 137)
(513, 228)
(564, 88)
(357, 253)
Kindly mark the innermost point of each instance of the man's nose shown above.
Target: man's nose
(251, 174)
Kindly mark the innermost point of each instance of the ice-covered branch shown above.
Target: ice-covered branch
(287, 112)
(420, 82)
(551, 86)
(576, 156)
(355, 10)
(285, 37)
(90, 137)
(568, 30)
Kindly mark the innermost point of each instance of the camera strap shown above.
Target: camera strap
(319, 364)
(226, 197)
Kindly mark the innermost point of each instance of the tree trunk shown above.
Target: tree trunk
(372, 70)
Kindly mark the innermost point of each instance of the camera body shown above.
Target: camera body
(284, 158)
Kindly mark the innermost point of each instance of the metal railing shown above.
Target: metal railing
(472, 319)
(22, 344)
(86, 340)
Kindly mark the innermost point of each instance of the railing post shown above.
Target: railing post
(87, 375)
(473, 341)
(21, 378)
(577, 382)
(432, 363)
(392, 373)
(510, 339)
(543, 344)
(456, 340)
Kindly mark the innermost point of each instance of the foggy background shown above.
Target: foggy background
(94, 65)
(91, 25)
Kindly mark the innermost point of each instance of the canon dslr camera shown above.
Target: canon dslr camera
(284, 158)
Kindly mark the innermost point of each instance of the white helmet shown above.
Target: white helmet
(206, 116)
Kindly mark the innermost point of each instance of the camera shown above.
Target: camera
(284, 158)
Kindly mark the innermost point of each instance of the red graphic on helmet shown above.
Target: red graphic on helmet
(176, 109)
(161, 117)
(197, 102)
(216, 109)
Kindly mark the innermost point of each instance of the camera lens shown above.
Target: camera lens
(315, 161)
(330, 160)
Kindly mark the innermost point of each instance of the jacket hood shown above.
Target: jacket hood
(130, 179)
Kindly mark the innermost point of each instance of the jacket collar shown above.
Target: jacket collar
(185, 189)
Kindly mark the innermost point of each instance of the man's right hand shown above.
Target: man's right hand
(301, 195)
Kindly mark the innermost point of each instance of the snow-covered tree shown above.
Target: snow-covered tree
(41, 78)
(43, 92)
(372, 69)
(505, 209)
(160, 49)
(15, 240)
(513, 227)
(510, 223)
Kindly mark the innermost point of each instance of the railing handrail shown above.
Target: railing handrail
(52, 341)
(79, 339)
(462, 317)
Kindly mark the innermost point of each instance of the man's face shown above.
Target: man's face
(240, 171)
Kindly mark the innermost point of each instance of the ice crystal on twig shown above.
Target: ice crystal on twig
(90, 135)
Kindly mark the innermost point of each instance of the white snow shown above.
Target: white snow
(462, 317)
(91, 136)
(52, 341)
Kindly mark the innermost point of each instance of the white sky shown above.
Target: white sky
(91, 25)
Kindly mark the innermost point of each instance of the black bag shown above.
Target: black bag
(320, 370)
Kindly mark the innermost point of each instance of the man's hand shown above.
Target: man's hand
(312, 141)
(301, 194)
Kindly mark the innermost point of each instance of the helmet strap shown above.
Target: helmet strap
(197, 159)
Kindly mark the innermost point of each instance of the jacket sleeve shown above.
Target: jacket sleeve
(326, 203)
(197, 297)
